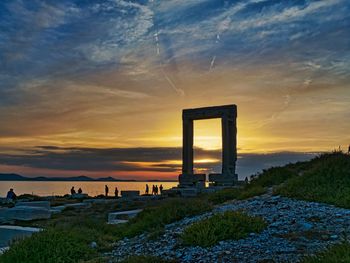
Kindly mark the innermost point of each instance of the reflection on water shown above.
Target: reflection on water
(62, 188)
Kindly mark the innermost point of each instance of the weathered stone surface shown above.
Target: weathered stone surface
(27, 213)
(295, 229)
(9, 233)
(42, 204)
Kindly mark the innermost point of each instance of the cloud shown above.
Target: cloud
(156, 159)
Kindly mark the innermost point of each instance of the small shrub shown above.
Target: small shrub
(229, 225)
(335, 254)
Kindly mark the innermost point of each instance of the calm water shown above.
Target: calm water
(62, 188)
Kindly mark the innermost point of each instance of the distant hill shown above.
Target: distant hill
(12, 177)
(17, 177)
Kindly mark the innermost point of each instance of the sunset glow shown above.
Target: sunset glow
(98, 88)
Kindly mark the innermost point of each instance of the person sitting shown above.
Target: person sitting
(11, 195)
(80, 191)
(72, 191)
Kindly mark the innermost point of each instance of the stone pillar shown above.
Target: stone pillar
(187, 146)
(229, 150)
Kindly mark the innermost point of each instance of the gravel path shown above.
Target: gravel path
(295, 228)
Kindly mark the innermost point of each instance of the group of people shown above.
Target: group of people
(155, 189)
(73, 192)
(80, 191)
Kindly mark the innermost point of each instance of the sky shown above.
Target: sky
(97, 87)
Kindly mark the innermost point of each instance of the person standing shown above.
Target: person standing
(116, 192)
(349, 149)
(147, 189)
(153, 189)
(160, 189)
(106, 190)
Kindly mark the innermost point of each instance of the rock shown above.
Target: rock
(93, 244)
(306, 226)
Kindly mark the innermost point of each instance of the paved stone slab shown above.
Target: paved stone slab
(27, 213)
(10, 233)
(43, 204)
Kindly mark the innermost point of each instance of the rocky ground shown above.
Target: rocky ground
(295, 228)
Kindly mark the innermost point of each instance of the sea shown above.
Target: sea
(45, 188)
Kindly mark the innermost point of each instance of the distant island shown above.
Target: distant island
(17, 177)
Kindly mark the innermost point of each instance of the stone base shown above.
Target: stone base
(192, 180)
(223, 179)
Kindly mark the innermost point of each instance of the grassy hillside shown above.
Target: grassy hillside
(325, 179)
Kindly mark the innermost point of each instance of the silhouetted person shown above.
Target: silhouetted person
(72, 191)
(160, 189)
(11, 195)
(80, 191)
(106, 190)
(156, 190)
(116, 192)
(147, 190)
(349, 149)
(153, 190)
(246, 180)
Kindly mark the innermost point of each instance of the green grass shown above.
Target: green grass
(327, 180)
(50, 246)
(229, 225)
(336, 254)
(236, 193)
(153, 219)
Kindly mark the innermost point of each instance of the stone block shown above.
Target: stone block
(192, 180)
(27, 213)
(10, 233)
(42, 204)
(122, 216)
(130, 193)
